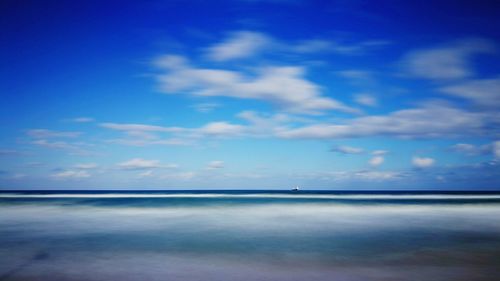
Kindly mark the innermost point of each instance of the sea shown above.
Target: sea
(249, 235)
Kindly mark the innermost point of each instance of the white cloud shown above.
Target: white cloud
(55, 144)
(145, 142)
(492, 148)
(446, 62)
(71, 174)
(496, 149)
(262, 125)
(221, 129)
(362, 175)
(376, 175)
(141, 164)
(170, 62)
(257, 125)
(283, 86)
(206, 107)
(407, 123)
(482, 92)
(86, 166)
(379, 152)
(9, 176)
(376, 161)
(245, 44)
(366, 99)
(312, 46)
(82, 120)
(241, 44)
(215, 165)
(146, 174)
(347, 149)
(18, 176)
(138, 127)
(422, 162)
(470, 149)
(356, 75)
(441, 178)
(320, 45)
(413, 123)
(178, 176)
(465, 148)
(44, 134)
(4, 152)
(144, 135)
(169, 141)
(72, 148)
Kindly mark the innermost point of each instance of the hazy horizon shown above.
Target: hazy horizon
(303, 190)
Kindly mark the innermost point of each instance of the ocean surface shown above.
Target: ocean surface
(249, 235)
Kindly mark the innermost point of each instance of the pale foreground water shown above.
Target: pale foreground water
(249, 236)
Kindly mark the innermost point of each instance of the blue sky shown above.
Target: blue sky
(250, 94)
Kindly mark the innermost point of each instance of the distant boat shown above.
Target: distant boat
(295, 188)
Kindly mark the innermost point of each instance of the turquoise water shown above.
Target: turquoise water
(243, 235)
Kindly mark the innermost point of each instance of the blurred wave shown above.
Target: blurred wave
(257, 236)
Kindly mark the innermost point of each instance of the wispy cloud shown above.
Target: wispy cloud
(414, 123)
(221, 129)
(357, 76)
(79, 148)
(86, 166)
(146, 174)
(492, 149)
(482, 92)
(451, 61)
(347, 149)
(127, 127)
(332, 46)
(44, 134)
(255, 125)
(357, 176)
(470, 149)
(144, 134)
(142, 130)
(4, 152)
(376, 161)
(144, 164)
(139, 163)
(366, 99)
(183, 176)
(217, 164)
(18, 176)
(377, 175)
(284, 86)
(379, 152)
(71, 174)
(241, 44)
(422, 162)
(55, 144)
(262, 125)
(82, 119)
(147, 142)
(407, 123)
(59, 140)
(206, 107)
(496, 149)
(246, 44)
